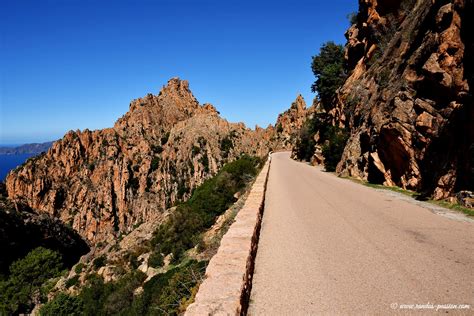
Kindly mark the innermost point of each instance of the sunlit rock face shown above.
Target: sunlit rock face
(290, 122)
(105, 182)
(408, 100)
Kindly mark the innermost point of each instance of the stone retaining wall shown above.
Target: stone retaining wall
(228, 280)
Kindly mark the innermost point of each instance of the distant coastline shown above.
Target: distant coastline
(13, 156)
(9, 162)
(33, 148)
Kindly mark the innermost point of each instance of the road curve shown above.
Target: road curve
(332, 246)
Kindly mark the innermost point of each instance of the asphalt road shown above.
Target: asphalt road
(332, 246)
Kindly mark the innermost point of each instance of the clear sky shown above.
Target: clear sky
(75, 64)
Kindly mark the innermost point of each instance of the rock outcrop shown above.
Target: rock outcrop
(289, 123)
(105, 182)
(408, 101)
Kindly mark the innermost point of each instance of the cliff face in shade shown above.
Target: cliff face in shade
(22, 230)
(408, 101)
(106, 182)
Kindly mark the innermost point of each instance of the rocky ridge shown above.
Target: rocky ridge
(106, 182)
(408, 100)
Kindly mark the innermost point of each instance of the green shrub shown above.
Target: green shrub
(166, 294)
(155, 260)
(334, 147)
(47, 287)
(182, 229)
(91, 166)
(94, 294)
(99, 262)
(305, 143)
(169, 293)
(304, 146)
(72, 281)
(155, 163)
(226, 145)
(132, 259)
(164, 138)
(157, 149)
(279, 128)
(204, 160)
(26, 277)
(352, 18)
(97, 298)
(195, 151)
(63, 305)
(333, 139)
(182, 189)
(121, 294)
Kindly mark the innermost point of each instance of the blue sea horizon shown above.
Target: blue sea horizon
(10, 162)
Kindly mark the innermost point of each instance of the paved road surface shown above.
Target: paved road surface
(331, 246)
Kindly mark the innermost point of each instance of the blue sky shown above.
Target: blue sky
(70, 64)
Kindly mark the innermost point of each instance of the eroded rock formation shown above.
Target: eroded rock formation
(105, 182)
(289, 123)
(408, 101)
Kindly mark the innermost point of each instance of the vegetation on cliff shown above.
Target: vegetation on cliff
(211, 199)
(318, 129)
(35, 250)
(333, 147)
(402, 90)
(328, 68)
(175, 251)
(22, 230)
(21, 288)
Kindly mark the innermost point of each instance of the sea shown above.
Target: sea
(10, 162)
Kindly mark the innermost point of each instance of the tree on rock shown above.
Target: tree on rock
(328, 68)
(26, 277)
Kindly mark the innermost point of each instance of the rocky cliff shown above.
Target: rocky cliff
(290, 122)
(106, 182)
(22, 229)
(408, 101)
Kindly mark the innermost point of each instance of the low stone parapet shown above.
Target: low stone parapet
(228, 280)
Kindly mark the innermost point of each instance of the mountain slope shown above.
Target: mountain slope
(106, 182)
